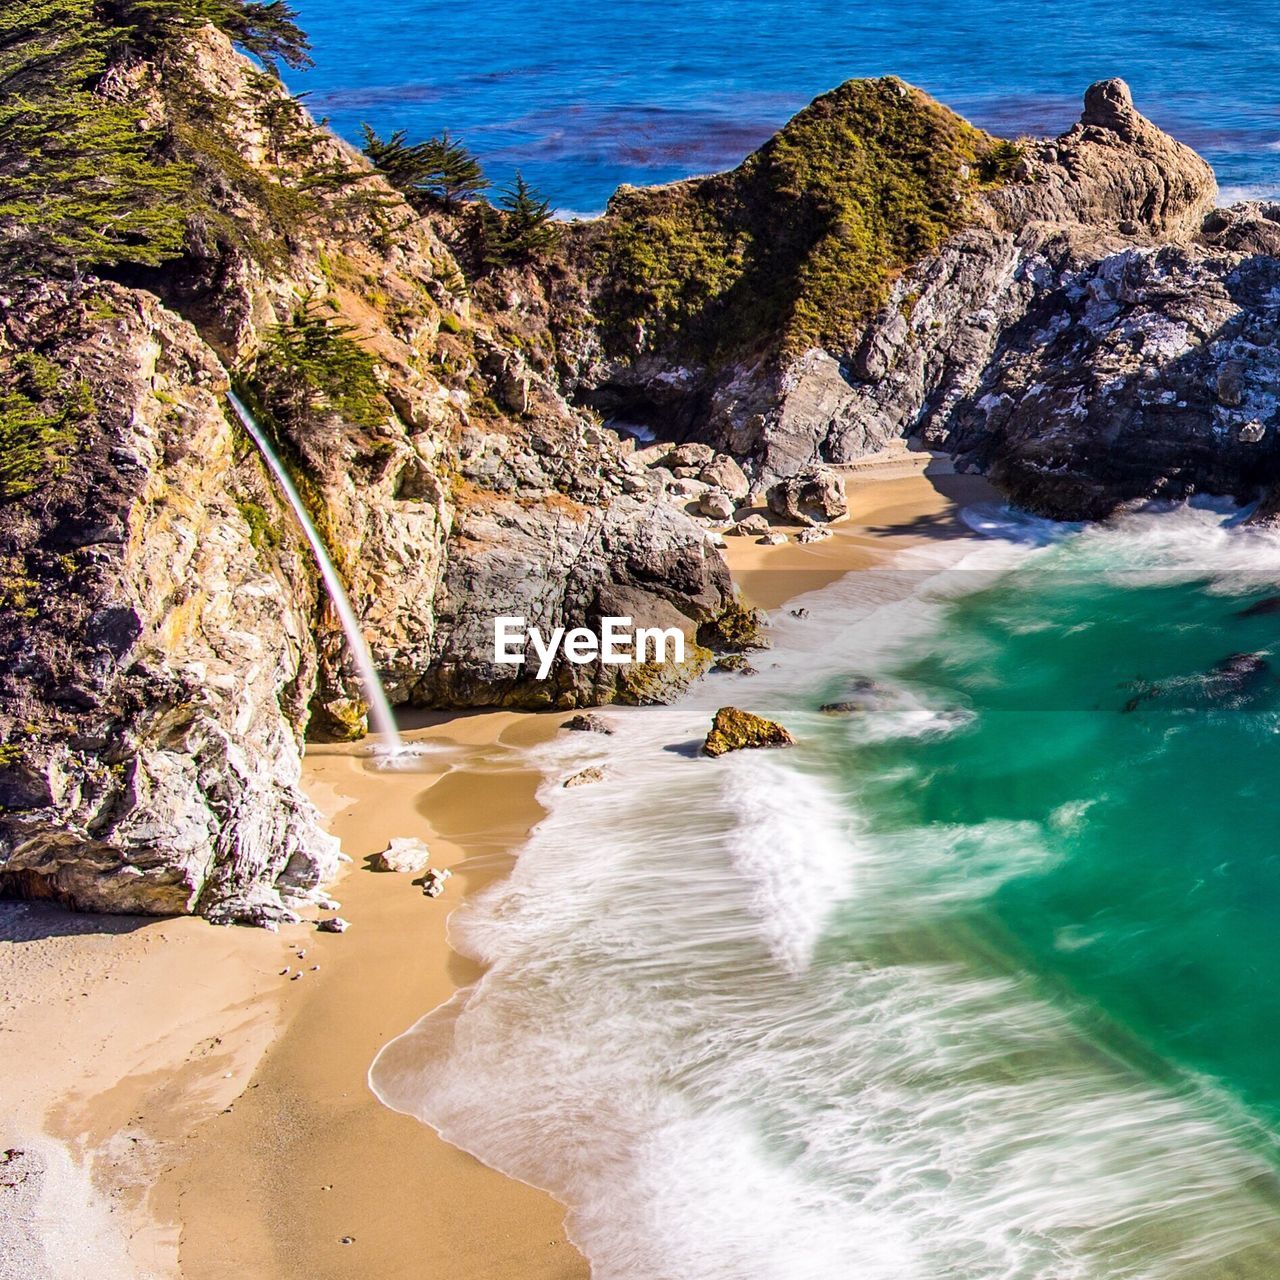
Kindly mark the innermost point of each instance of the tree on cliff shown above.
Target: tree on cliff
(521, 227)
(268, 31)
(81, 183)
(438, 171)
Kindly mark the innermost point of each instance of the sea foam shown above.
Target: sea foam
(744, 1036)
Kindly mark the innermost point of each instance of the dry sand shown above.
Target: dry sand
(185, 1109)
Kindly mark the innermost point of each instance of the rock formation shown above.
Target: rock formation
(1071, 316)
(737, 730)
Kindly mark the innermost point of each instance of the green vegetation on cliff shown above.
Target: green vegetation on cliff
(40, 407)
(800, 244)
(88, 173)
(310, 364)
(80, 181)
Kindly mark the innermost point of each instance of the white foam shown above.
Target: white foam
(745, 1037)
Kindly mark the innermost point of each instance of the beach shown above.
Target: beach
(193, 1100)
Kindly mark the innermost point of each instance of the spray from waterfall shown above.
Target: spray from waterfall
(380, 715)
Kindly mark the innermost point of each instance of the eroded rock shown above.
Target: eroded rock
(736, 730)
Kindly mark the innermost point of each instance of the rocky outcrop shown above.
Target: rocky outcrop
(1112, 184)
(165, 642)
(157, 650)
(813, 497)
(737, 730)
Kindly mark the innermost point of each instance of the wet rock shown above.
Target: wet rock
(588, 722)
(585, 777)
(1261, 608)
(433, 881)
(405, 854)
(752, 526)
(735, 629)
(816, 534)
(736, 663)
(736, 730)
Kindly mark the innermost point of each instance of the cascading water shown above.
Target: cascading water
(380, 714)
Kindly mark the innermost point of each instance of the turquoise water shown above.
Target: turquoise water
(1158, 893)
(583, 95)
(975, 983)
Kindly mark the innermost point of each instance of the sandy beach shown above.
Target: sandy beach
(192, 1101)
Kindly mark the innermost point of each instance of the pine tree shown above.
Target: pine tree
(439, 171)
(522, 227)
(268, 31)
(312, 363)
(81, 183)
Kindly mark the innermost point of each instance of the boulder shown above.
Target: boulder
(816, 534)
(587, 722)
(405, 854)
(752, 526)
(717, 504)
(734, 629)
(737, 730)
(774, 539)
(813, 497)
(691, 455)
(724, 473)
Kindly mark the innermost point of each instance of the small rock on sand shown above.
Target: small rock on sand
(405, 854)
(587, 723)
(334, 924)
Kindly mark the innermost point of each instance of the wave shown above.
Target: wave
(745, 1035)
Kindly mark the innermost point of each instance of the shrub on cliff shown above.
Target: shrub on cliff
(312, 364)
(440, 171)
(40, 407)
(801, 243)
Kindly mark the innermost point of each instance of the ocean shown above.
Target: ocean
(581, 95)
(976, 983)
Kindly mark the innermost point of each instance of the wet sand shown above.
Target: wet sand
(205, 1115)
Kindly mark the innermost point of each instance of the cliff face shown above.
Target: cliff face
(165, 643)
(156, 644)
(1061, 314)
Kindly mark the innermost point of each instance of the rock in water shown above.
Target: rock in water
(1261, 608)
(405, 854)
(584, 777)
(587, 723)
(815, 497)
(737, 730)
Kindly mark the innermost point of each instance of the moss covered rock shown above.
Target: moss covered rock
(799, 244)
(737, 730)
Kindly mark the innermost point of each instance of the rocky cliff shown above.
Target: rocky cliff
(165, 644)
(1070, 315)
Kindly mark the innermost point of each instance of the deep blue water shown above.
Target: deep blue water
(582, 95)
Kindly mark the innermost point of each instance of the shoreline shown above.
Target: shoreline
(239, 1136)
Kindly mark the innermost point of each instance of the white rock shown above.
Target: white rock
(406, 854)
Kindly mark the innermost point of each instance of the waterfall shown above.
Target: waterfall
(380, 715)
